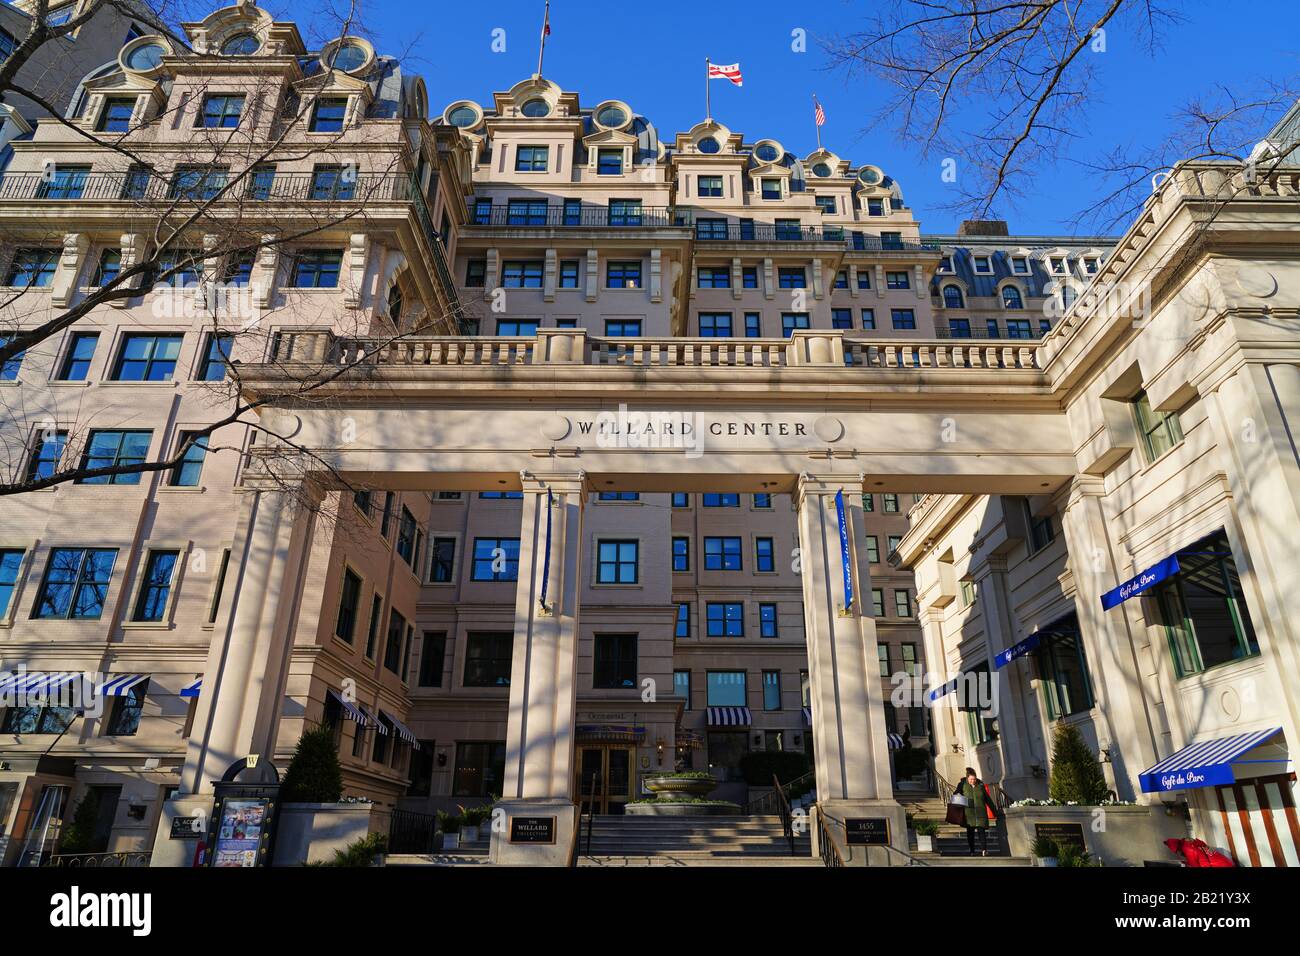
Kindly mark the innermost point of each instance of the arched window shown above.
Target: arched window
(1011, 298)
(952, 298)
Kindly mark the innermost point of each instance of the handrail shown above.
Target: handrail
(827, 838)
(830, 851)
(767, 802)
(786, 812)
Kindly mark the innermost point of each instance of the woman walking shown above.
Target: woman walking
(979, 809)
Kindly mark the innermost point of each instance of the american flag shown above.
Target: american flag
(732, 72)
(819, 114)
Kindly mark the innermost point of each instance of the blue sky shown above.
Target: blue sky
(652, 56)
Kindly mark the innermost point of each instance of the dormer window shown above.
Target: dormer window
(983, 265)
(60, 15)
(536, 108)
(463, 117)
(875, 207)
(327, 116)
(1059, 266)
(611, 117)
(241, 44)
(821, 169)
(945, 264)
(709, 145)
(116, 114)
(1090, 266)
(146, 57)
(532, 159)
(767, 153)
(1020, 265)
(609, 162)
(771, 188)
(348, 57)
(827, 205)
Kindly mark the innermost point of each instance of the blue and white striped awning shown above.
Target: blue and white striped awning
(350, 710)
(729, 717)
(119, 685)
(807, 716)
(33, 683)
(403, 731)
(1209, 763)
(192, 690)
(895, 741)
(374, 721)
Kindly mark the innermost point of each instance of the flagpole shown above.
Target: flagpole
(815, 124)
(708, 109)
(546, 22)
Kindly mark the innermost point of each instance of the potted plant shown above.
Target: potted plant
(926, 830)
(1045, 850)
(449, 824)
(473, 818)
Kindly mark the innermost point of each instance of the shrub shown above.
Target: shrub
(1069, 855)
(926, 827)
(79, 835)
(360, 852)
(758, 766)
(1043, 846)
(1076, 774)
(314, 774)
(449, 822)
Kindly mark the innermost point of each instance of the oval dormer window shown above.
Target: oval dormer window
(463, 116)
(869, 176)
(709, 145)
(611, 117)
(767, 153)
(536, 108)
(241, 44)
(821, 169)
(146, 57)
(348, 57)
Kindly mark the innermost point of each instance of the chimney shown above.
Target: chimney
(983, 227)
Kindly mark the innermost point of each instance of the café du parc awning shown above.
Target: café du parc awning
(1211, 763)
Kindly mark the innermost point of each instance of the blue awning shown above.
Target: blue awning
(35, 683)
(895, 741)
(403, 731)
(350, 710)
(1019, 649)
(119, 685)
(192, 690)
(1208, 763)
(1141, 582)
(729, 717)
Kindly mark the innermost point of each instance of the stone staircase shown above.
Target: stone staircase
(950, 848)
(620, 841)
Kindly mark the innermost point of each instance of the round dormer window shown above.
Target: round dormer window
(348, 57)
(709, 145)
(145, 57)
(611, 117)
(536, 108)
(767, 153)
(465, 117)
(241, 44)
(869, 175)
(821, 169)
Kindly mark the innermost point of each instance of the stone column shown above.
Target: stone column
(1013, 683)
(543, 689)
(943, 728)
(848, 715)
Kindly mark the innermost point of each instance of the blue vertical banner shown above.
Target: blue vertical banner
(546, 548)
(845, 557)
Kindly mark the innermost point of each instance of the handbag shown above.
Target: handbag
(956, 814)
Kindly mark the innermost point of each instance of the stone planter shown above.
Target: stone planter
(668, 809)
(924, 843)
(311, 832)
(1117, 836)
(1045, 861)
(469, 833)
(691, 786)
(451, 841)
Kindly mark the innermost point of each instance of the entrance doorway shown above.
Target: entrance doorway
(605, 776)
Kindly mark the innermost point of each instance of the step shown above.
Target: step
(695, 859)
(436, 859)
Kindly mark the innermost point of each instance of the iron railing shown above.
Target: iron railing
(1031, 334)
(767, 803)
(99, 861)
(786, 813)
(204, 184)
(830, 851)
(540, 214)
(411, 832)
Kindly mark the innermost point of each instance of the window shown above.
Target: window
(868, 503)
(115, 449)
(959, 328)
(261, 181)
(115, 117)
(329, 181)
(793, 320)
(11, 562)
(76, 363)
(891, 503)
(317, 269)
(725, 619)
(681, 554)
(212, 366)
(393, 647)
(791, 277)
(712, 499)
(877, 602)
(75, 584)
(496, 559)
(147, 358)
(710, 186)
(682, 687)
(480, 769)
(525, 327)
(522, 274)
(179, 268)
(501, 495)
(433, 654)
(897, 280)
(683, 625)
(903, 318)
(903, 602)
(1204, 609)
(527, 212)
(569, 274)
(442, 565)
(327, 115)
(66, 182)
(124, 719)
(715, 324)
(1011, 298)
(186, 474)
(482, 212)
(753, 325)
(1020, 265)
(1160, 431)
(197, 183)
(764, 555)
(873, 549)
(952, 298)
(1041, 532)
(710, 229)
(763, 501)
(32, 268)
(722, 554)
(345, 623)
(967, 592)
(981, 725)
(714, 277)
(681, 499)
(826, 205)
(770, 188)
(841, 318)
(767, 621)
(107, 268)
(749, 277)
(616, 562)
(1063, 668)
(620, 496)
(487, 658)
(625, 212)
(869, 319)
(372, 628)
(622, 328)
(609, 162)
(864, 279)
(983, 265)
(789, 229)
(725, 689)
(46, 454)
(406, 536)
(532, 159)
(893, 541)
(573, 212)
(156, 586)
(882, 658)
(771, 690)
(623, 275)
(221, 111)
(614, 664)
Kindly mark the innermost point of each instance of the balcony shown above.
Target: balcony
(1010, 335)
(543, 215)
(205, 185)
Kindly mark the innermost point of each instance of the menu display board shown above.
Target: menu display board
(241, 829)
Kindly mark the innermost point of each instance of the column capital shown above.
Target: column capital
(567, 481)
(809, 483)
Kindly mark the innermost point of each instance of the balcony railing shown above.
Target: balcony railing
(204, 186)
(1009, 335)
(541, 215)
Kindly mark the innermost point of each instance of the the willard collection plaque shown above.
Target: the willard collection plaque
(532, 829)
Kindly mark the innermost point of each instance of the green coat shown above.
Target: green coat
(977, 814)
